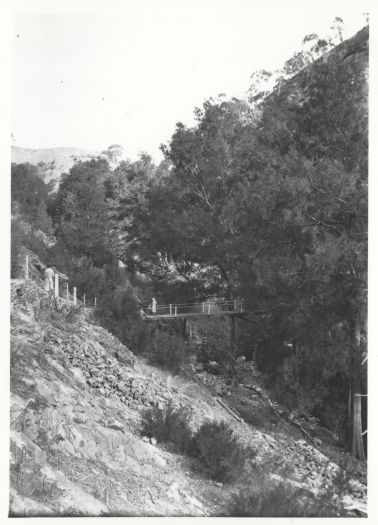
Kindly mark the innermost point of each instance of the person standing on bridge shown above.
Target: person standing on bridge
(49, 279)
(153, 306)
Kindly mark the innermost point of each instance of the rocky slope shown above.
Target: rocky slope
(77, 395)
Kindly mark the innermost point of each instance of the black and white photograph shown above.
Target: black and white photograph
(188, 216)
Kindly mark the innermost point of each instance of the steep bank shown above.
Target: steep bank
(77, 395)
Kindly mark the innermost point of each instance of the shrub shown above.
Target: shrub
(140, 337)
(168, 351)
(220, 451)
(261, 498)
(214, 444)
(215, 345)
(169, 424)
(264, 501)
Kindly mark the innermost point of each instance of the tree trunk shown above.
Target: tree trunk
(357, 445)
(357, 441)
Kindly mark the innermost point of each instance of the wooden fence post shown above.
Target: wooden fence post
(208, 309)
(67, 292)
(175, 311)
(27, 268)
(75, 298)
(203, 308)
(84, 300)
(170, 309)
(95, 302)
(56, 285)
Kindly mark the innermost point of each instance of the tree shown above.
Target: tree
(30, 196)
(267, 202)
(79, 211)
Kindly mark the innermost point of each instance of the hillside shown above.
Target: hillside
(254, 409)
(77, 397)
(56, 160)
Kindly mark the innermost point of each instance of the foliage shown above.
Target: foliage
(168, 351)
(30, 223)
(220, 452)
(16, 243)
(265, 490)
(281, 500)
(169, 424)
(30, 196)
(267, 201)
(215, 345)
(79, 212)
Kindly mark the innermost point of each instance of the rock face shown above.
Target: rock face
(77, 395)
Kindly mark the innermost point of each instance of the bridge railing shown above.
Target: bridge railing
(204, 308)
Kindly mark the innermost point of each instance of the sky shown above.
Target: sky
(127, 77)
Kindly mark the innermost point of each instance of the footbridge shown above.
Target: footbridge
(188, 310)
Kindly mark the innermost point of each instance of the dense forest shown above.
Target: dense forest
(264, 200)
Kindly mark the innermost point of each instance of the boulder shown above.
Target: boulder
(116, 425)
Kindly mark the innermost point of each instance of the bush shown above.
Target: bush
(215, 345)
(220, 452)
(260, 497)
(140, 337)
(214, 444)
(265, 501)
(169, 425)
(168, 351)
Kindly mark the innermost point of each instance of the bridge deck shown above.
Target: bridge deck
(154, 317)
(183, 311)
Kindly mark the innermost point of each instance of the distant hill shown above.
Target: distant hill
(55, 160)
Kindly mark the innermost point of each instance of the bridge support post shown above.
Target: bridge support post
(190, 332)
